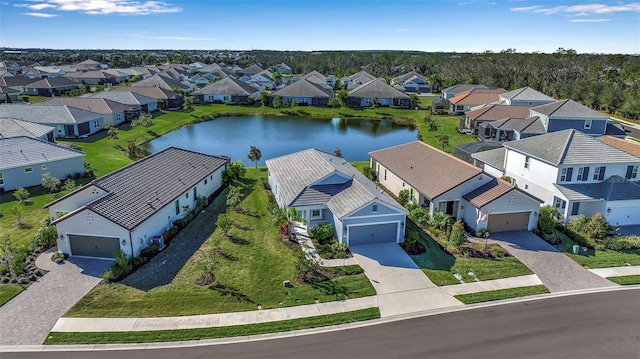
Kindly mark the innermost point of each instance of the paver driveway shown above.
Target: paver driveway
(401, 286)
(28, 318)
(556, 271)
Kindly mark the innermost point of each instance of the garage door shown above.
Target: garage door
(624, 216)
(508, 221)
(91, 246)
(377, 233)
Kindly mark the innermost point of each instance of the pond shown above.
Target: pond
(277, 136)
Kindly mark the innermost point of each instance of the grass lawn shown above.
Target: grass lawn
(626, 280)
(251, 271)
(594, 258)
(440, 266)
(8, 291)
(501, 294)
(32, 98)
(210, 333)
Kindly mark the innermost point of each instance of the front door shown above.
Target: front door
(575, 208)
(69, 130)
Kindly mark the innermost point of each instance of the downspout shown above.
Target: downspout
(131, 244)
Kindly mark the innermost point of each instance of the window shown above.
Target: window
(587, 124)
(598, 173)
(44, 167)
(575, 208)
(96, 124)
(187, 194)
(205, 181)
(566, 174)
(195, 193)
(316, 213)
(1, 178)
(374, 208)
(559, 203)
(583, 174)
(526, 186)
(28, 170)
(632, 172)
(89, 217)
(178, 207)
(527, 162)
(530, 103)
(385, 174)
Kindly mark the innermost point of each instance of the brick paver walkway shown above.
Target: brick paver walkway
(28, 318)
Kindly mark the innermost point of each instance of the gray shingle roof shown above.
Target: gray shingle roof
(462, 88)
(98, 105)
(49, 83)
(124, 97)
(253, 69)
(24, 151)
(297, 173)
(227, 86)
(425, 168)
(526, 94)
(531, 125)
(567, 109)
(157, 93)
(494, 158)
(161, 81)
(303, 88)
(570, 147)
(11, 127)
(139, 190)
(615, 188)
(376, 88)
(61, 114)
(491, 191)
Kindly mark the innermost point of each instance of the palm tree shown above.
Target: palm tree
(254, 155)
(443, 140)
(112, 133)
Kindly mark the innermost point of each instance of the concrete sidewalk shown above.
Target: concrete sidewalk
(616, 271)
(495, 284)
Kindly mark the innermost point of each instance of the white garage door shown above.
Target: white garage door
(624, 215)
(372, 234)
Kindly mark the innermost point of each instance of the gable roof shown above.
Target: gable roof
(497, 112)
(157, 93)
(493, 158)
(407, 76)
(491, 191)
(11, 127)
(227, 86)
(60, 114)
(531, 125)
(16, 81)
(24, 151)
(49, 83)
(102, 106)
(568, 109)
(476, 96)
(526, 94)
(141, 189)
(253, 69)
(297, 173)
(615, 188)
(376, 88)
(570, 147)
(425, 168)
(627, 146)
(462, 88)
(164, 82)
(125, 97)
(94, 74)
(303, 88)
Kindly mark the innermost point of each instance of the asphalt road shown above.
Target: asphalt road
(597, 325)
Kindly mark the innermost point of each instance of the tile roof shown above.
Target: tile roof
(425, 168)
(24, 151)
(94, 74)
(629, 146)
(157, 80)
(303, 88)
(491, 191)
(297, 173)
(377, 88)
(455, 89)
(568, 109)
(526, 94)
(494, 158)
(227, 86)
(570, 147)
(61, 114)
(125, 97)
(615, 188)
(11, 127)
(476, 96)
(157, 93)
(102, 106)
(141, 189)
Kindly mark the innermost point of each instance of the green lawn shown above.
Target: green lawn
(626, 280)
(8, 291)
(593, 258)
(210, 333)
(251, 272)
(501, 294)
(32, 98)
(440, 266)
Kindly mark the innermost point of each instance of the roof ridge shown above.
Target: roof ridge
(565, 149)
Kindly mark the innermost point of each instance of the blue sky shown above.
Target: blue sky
(424, 25)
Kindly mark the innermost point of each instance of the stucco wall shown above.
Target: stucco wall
(17, 177)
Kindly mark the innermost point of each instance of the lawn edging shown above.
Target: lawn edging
(57, 338)
(499, 294)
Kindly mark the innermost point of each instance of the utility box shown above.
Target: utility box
(576, 249)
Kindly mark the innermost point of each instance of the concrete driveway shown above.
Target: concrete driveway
(401, 286)
(557, 272)
(28, 318)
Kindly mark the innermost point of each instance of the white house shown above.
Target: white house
(68, 121)
(126, 208)
(327, 189)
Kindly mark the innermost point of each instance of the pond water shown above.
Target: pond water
(277, 136)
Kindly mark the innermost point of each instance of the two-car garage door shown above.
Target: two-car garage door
(509, 221)
(91, 246)
(373, 234)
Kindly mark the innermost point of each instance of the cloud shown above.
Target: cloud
(103, 7)
(39, 14)
(581, 10)
(174, 38)
(589, 20)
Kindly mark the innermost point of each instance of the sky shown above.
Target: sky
(308, 25)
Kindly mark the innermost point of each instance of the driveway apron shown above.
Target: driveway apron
(28, 318)
(400, 285)
(556, 271)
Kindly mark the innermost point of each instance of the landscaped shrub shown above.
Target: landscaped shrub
(45, 237)
(412, 243)
(546, 219)
(22, 195)
(618, 243)
(370, 173)
(441, 221)
(323, 233)
(120, 269)
(553, 238)
(420, 216)
(598, 229)
(404, 196)
(457, 237)
(172, 232)
(59, 257)
(308, 270)
(149, 252)
(344, 270)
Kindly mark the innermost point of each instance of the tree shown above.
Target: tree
(404, 196)
(132, 149)
(340, 97)
(234, 174)
(431, 123)
(277, 102)
(8, 252)
(50, 182)
(69, 185)
(145, 120)
(375, 103)
(337, 152)
(234, 197)
(254, 154)
(457, 237)
(443, 140)
(22, 195)
(112, 134)
(414, 100)
(546, 219)
(224, 223)
(370, 173)
(264, 97)
(19, 215)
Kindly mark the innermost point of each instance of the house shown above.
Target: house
(11, 127)
(452, 91)
(50, 86)
(629, 146)
(227, 90)
(465, 151)
(466, 100)
(412, 82)
(283, 68)
(25, 159)
(114, 113)
(357, 79)
(474, 118)
(440, 182)
(124, 209)
(164, 82)
(303, 92)
(574, 172)
(250, 71)
(50, 71)
(326, 189)
(94, 77)
(133, 100)
(262, 78)
(172, 100)
(510, 129)
(68, 121)
(8, 95)
(364, 95)
(16, 82)
(89, 65)
(568, 114)
(317, 78)
(525, 96)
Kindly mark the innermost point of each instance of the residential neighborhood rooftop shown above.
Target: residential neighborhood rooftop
(491, 191)
(228, 86)
(23, 151)
(567, 109)
(47, 114)
(494, 158)
(629, 146)
(11, 127)
(102, 106)
(526, 93)
(615, 188)
(498, 112)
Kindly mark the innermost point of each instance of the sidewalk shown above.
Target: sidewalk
(616, 271)
(302, 236)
